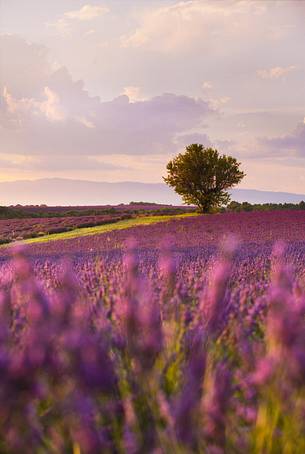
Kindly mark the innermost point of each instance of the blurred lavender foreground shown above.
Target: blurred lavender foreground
(154, 353)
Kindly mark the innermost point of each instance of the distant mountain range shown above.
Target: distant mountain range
(57, 191)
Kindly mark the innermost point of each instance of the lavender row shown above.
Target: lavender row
(192, 232)
(19, 229)
(192, 350)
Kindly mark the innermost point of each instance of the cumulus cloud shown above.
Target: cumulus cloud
(185, 24)
(97, 128)
(289, 144)
(133, 93)
(24, 66)
(275, 73)
(87, 12)
(55, 116)
(50, 107)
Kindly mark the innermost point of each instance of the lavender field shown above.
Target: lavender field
(152, 227)
(24, 222)
(179, 337)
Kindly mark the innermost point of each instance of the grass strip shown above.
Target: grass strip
(88, 231)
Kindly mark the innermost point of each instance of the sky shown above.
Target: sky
(110, 90)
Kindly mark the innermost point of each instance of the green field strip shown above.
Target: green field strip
(104, 228)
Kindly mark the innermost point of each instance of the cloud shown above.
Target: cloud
(207, 85)
(84, 121)
(219, 102)
(24, 66)
(61, 26)
(56, 163)
(275, 73)
(86, 13)
(100, 128)
(292, 144)
(50, 107)
(64, 163)
(186, 139)
(55, 116)
(216, 101)
(133, 93)
(185, 24)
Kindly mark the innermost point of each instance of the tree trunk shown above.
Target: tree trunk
(204, 208)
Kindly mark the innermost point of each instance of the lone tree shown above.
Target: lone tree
(202, 177)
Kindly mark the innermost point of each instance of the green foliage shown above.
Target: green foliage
(10, 213)
(246, 206)
(202, 177)
(25, 212)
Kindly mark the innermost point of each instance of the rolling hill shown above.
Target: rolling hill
(57, 191)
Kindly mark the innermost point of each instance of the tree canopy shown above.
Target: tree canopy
(201, 176)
